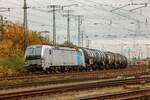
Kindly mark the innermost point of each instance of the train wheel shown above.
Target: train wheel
(55, 70)
(48, 70)
(116, 66)
(29, 71)
(107, 67)
(62, 69)
(81, 69)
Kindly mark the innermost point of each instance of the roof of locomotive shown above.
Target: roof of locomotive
(54, 47)
(34, 46)
(90, 49)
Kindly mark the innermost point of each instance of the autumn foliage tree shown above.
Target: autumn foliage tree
(12, 39)
(66, 44)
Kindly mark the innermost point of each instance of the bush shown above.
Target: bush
(148, 65)
(11, 66)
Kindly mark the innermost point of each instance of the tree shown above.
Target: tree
(66, 44)
(12, 41)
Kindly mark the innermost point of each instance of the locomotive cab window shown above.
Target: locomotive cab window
(35, 51)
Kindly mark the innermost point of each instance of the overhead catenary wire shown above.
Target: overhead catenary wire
(38, 3)
(104, 9)
(98, 14)
(120, 9)
(32, 8)
(110, 19)
(114, 13)
(37, 22)
(11, 3)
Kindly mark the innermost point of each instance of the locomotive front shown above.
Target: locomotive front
(33, 58)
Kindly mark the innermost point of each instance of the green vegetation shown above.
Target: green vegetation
(11, 66)
(66, 44)
(148, 66)
(147, 63)
(12, 46)
(12, 62)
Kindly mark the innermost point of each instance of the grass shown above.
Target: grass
(11, 66)
(12, 62)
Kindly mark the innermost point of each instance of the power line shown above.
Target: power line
(68, 15)
(36, 22)
(38, 3)
(54, 9)
(104, 9)
(108, 10)
(93, 6)
(122, 28)
(40, 10)
(145, 4)
(101, 18)
(12, 3)
(3, 9)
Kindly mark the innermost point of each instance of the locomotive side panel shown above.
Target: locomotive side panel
(82, 57)
(65, 57)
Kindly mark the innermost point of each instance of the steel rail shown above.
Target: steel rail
(24, 77)
(141, 94)
(60, 81)
(73, 87)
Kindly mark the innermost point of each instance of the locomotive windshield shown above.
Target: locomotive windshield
(34, 52)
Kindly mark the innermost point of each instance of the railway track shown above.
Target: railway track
(141, 94)
(73, 87)
(42, 83)
(48, 82)
(102, 73)
(73, 77)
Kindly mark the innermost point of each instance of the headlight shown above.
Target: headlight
(26, 63)
(43, 60)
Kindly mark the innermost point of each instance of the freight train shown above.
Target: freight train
(63, 59)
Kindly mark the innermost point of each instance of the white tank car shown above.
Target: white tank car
(49, 58)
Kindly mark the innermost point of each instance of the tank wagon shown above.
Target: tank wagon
(52, 59)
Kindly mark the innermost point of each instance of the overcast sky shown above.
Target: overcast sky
(114, 31)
